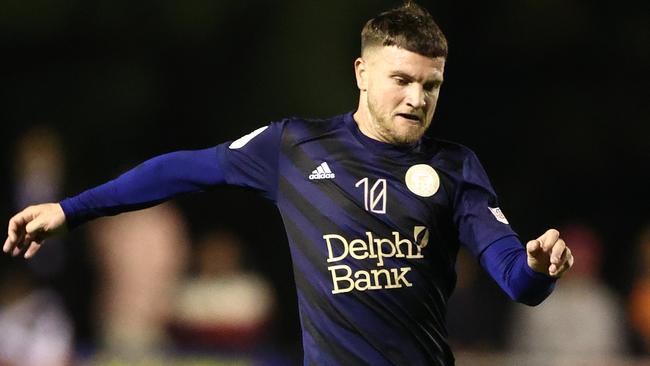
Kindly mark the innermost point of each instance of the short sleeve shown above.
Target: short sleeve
(252, 160)
(477, 215)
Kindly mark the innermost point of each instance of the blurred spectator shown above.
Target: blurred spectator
(34, 328)
(469, 329)
(582, 319)
(140, 256)
(223, 307)
(639, 302)
(39, 166)
(39, 171)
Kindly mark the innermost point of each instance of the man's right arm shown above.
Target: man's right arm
(250, 161)
(150, 183)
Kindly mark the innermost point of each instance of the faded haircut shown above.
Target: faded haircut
(410, 27)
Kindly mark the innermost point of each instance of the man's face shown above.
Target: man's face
(401, 91)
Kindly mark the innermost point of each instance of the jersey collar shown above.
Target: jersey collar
(379, 147)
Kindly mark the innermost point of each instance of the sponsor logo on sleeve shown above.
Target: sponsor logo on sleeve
(499, 215)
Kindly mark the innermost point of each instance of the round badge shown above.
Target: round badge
(422, 180)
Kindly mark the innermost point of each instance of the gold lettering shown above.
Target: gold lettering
(381, 254)
(336, 279)
(372, 251)
(330, 251)
(377, 272)
(358, 245)
(401, 277)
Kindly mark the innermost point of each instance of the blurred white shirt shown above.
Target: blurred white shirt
(36, 331)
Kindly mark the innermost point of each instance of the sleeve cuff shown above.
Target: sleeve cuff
(67, 205)
(537, 275)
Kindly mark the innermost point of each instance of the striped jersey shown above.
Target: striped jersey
(373, 230)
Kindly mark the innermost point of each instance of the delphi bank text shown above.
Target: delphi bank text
(375, 249)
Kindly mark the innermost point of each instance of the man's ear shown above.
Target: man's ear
(361, 72)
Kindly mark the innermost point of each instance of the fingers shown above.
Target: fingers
(553, 248)
(23, 232)
(35, 228)
(557, 251)
(28, 228)
(16, 230)
(549, 254)
(565, 264)
(12, 235)
(20, 246)
(7, 245)
(534, 247)
(28, 244)
(33, 248)
(558, 256)
(549, 238)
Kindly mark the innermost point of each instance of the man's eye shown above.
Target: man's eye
(401, 81)
(431, 86)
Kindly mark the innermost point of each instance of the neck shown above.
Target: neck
(363, 119)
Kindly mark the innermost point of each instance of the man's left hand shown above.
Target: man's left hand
(549, 254)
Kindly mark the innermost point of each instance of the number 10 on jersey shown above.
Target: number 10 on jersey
(374, 198)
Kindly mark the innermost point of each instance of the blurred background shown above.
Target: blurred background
(552, 95)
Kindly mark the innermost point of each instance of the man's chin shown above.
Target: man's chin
(408, 138)
(409, 134)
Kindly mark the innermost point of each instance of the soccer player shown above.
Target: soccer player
(374, 210)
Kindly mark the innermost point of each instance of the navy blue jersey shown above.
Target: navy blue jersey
(374, 230)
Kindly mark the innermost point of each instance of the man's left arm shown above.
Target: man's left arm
(528, 275)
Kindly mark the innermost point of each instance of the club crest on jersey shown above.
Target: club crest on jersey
(322, 171)
(422, 180)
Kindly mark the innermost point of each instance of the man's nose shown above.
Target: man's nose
(415, 96)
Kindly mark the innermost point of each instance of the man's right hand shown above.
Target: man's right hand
(31, 226)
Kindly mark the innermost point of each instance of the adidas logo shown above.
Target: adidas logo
(322, 172)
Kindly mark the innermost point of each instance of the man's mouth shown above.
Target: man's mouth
(410, 116)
